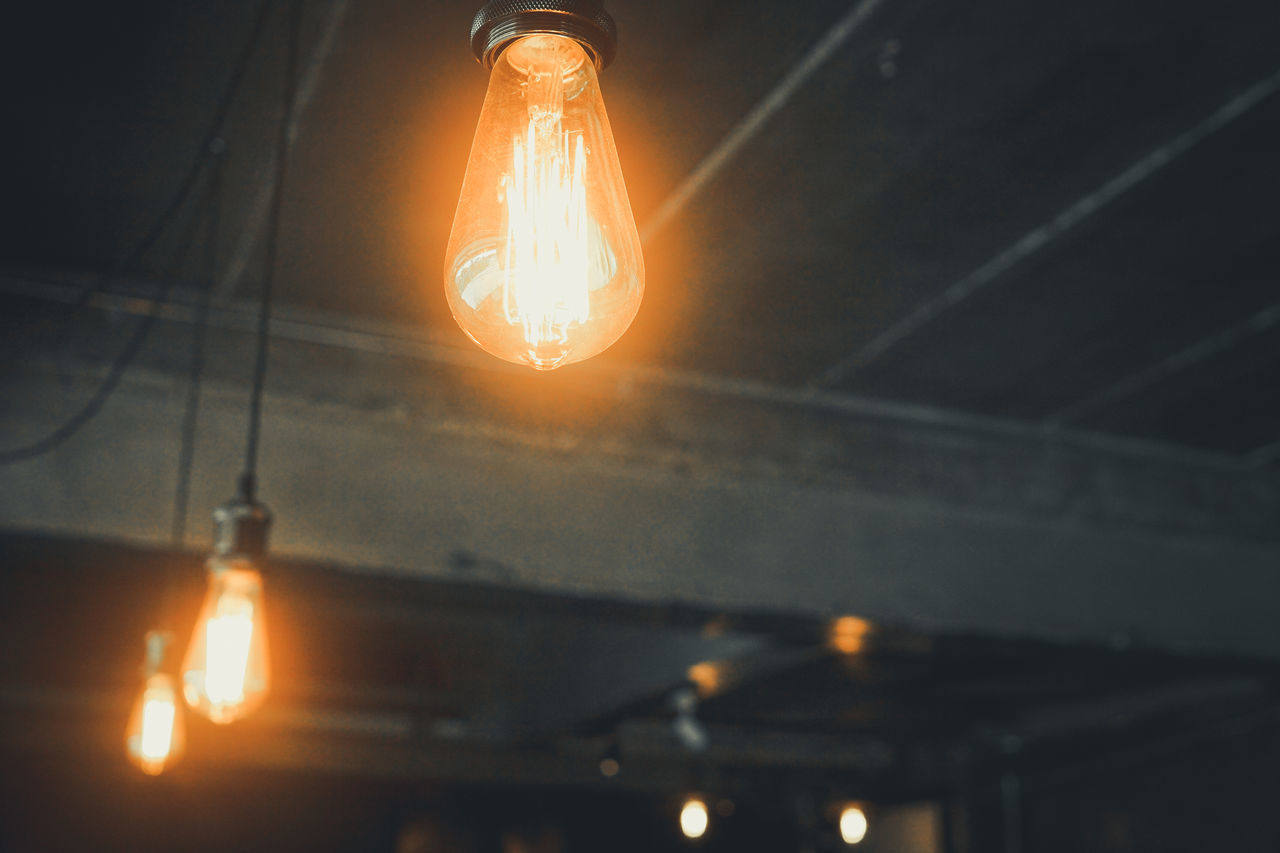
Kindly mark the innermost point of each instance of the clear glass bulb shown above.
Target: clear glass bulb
(226, 672)
(694, 818)
(544, 264)
(156, 734)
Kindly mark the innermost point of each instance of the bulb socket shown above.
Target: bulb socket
(501, 22)
(240, 529)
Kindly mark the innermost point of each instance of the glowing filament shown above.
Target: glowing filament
(547, 265)
(227, 636)
(158, 713)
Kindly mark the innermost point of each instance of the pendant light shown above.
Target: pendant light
(227, 673)
(543, 266)
(156, 734)
(227, 670)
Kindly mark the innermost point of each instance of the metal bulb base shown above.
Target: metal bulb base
(501, 22)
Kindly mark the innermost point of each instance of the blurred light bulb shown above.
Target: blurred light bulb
(853, 825)
(544, 265)
(693, 818)
(156, 735)
(226, 672)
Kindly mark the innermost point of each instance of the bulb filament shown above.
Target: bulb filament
(157, 729)
(547, 263)
(227, 636)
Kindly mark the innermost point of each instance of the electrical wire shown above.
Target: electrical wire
(191, 411)
(214, 132)
(248, 485)
(124, 359)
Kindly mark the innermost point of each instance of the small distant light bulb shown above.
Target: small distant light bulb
(226, 672)
(544, 264)
(694, 818)
(156, 736)
(853, 825)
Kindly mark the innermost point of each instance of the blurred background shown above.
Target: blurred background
(938, 477)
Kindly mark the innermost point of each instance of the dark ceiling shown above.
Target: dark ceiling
(1057, 213)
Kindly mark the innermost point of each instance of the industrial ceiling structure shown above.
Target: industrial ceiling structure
(962, 325)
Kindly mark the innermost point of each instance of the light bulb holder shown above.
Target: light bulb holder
(240, 529)
(501, 22)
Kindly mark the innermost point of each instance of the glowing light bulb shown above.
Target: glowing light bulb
(544, 265)
(853, 825)
(156, 736)
(226, 672)
(694, 818)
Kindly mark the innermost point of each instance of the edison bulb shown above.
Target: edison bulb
(694, 818)
(226, 672)
(853, 825)
(156, 734)
(544, 265)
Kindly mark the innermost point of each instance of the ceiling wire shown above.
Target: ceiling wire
(248, 479)
(753, 121)
(115, 373)
(188, 182)
(255, 220)
(144, 247)
(1038, 238)
(191, 410)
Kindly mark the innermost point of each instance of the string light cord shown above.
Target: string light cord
(119, 367)
(191, 410)
(208, 142)
(168, 216)
(248, 485)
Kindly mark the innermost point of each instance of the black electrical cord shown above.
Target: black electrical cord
(134, 345)
(248, 485)
(214, 133)
(191, 410)
(124, 360)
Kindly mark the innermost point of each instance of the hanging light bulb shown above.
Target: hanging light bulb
(694, 818)
(156, 735)
(853, 824)
(544, 264)
(226, 672)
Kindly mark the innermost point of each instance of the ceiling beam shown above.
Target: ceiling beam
(580, 484)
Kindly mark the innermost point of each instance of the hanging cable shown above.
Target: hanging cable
(124, 360)
(166, 219)
(214, 132)
(191, 410)
(248, 486)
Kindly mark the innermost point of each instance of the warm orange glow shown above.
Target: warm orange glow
(853, 824)
(544, 264)
(848, 633)
(155, 737)
(225, 675)
(694, 818)
(706, 676)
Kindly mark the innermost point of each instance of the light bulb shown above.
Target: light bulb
(226, 672)
(693, 818)
(156, 735)
(544, 265)
(853, 825)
